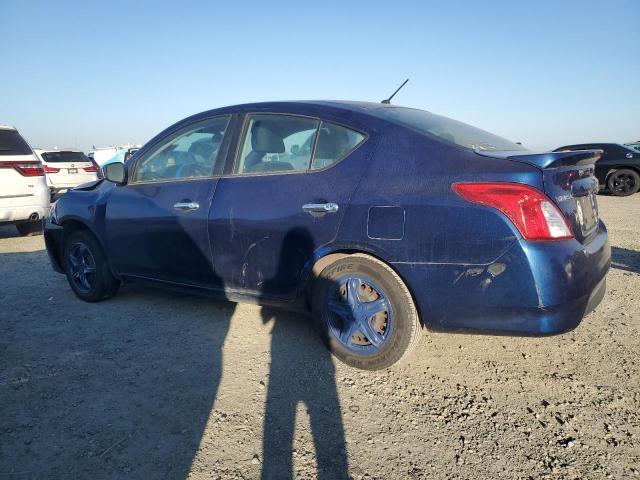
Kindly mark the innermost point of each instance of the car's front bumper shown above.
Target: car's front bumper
(539, 288)
(53, 241)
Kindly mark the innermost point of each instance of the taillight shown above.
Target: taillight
(533, 213)
(93, 168)
(26, 169)
(48, 169)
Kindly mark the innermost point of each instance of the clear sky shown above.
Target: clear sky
(544, 72)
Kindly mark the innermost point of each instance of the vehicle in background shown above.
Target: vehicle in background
(65, 169)
(24, 195)
(634, 145)
(122, 156)
(380, 220)
(618, 169)
(103, 155)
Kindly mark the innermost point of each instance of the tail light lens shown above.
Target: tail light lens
(26, 169)
(533, 213)
(48, 169)
(93, 168)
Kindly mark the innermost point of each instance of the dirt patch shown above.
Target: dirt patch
(158, 385)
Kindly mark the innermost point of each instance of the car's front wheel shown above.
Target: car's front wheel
(86, 267)
(365, 313)
(624, 182)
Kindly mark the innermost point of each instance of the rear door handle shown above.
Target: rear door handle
(320, 207)
(186, 206)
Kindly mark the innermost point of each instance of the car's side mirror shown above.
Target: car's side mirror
(115, 172)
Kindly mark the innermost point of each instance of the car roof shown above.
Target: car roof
(336, 106)
(6, 127)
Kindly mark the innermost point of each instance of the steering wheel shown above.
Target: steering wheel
(192, 170)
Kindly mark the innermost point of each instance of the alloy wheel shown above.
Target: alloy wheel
(359, 315)
(82, 267)
(623, 183)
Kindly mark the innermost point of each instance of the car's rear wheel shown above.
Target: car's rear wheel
(624, 182)
(28, 229)
(86, 267)
(365, 313)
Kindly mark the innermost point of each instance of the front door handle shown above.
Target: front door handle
(320, 208)
(186, 206)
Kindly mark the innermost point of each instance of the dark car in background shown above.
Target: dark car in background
(618, 169)
(381, 220)
(634, 145)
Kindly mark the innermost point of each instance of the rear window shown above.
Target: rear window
(66, 157)
(447, 129)
(11, 143)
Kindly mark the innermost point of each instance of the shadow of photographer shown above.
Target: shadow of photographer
(301, 372)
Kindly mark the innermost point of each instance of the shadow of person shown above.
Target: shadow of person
(117, 389)
(625, 259)
(301, 372)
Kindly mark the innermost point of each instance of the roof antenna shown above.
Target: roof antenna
(388, 100)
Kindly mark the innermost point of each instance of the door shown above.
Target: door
(292, 180)
(156, 225)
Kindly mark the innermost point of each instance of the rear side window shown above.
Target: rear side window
(11, 143)
(334, 143)
(65, 157)
(277, 143)
(286, 143)
(447, 129)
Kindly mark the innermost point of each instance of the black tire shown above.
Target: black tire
(28, 229)
(99, 285)
(623, 182)
(405, 325)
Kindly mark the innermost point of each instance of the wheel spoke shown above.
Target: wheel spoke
(84, 281)
(73, 258)
(348, 329)
(89, 269)
(369, 309)
(365, 327)
(352, 292)
(340, 308)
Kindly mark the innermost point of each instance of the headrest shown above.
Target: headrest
(265, 140)
(331, 143)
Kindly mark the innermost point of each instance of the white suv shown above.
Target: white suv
(66, 169)
(24, 195)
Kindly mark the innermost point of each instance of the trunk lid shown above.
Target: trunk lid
(569, 181)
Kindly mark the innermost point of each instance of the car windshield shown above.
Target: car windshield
(59, 157)
(447, 129)
(11, 143)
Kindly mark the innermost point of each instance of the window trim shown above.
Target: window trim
(222, 151)
(320, 120)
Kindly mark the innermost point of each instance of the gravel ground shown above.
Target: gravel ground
(158, 385)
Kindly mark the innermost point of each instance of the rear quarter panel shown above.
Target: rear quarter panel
(415, 173)
(449, 252)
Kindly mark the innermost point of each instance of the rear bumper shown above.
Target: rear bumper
(533, 289)
(69, 183)
(20, 209)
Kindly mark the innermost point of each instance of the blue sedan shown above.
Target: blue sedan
(382, 221)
